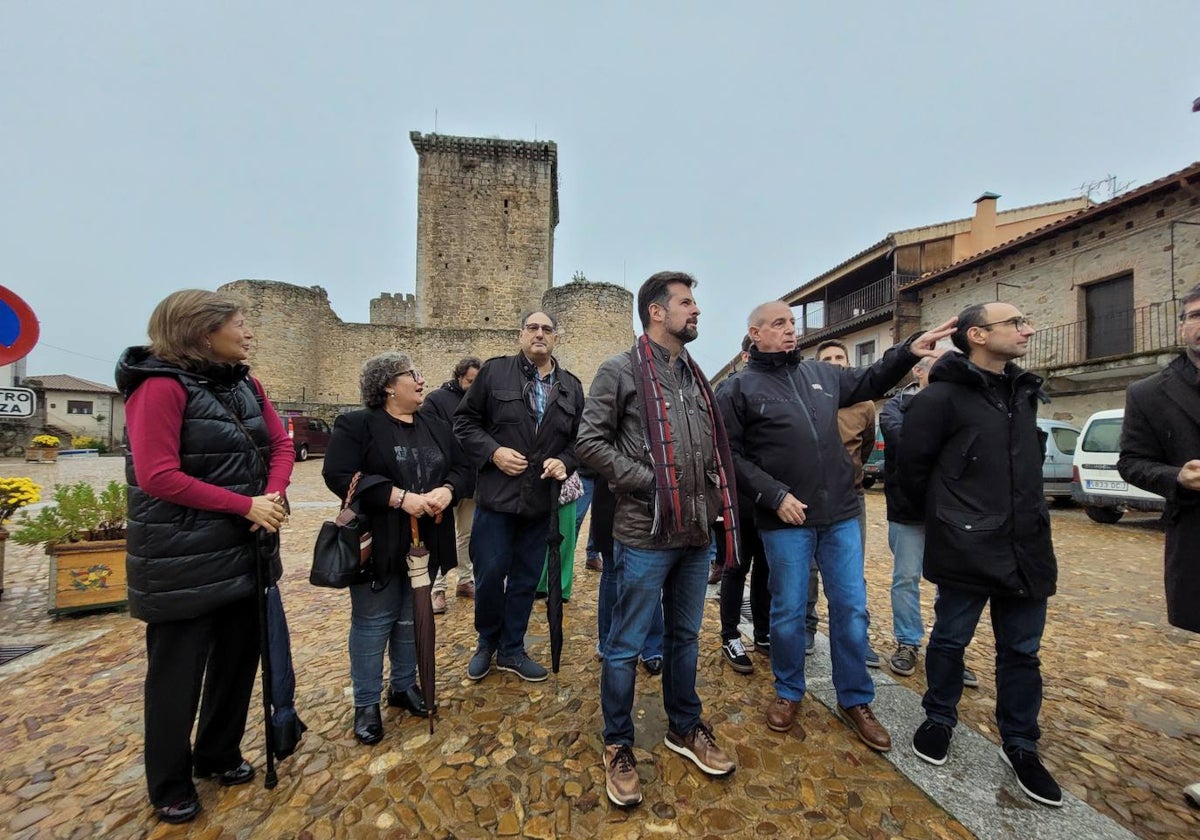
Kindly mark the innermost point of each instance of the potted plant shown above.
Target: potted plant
(84, 534)
(15, 493)
(43, 448)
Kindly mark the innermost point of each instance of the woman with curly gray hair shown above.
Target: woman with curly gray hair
(409, 465)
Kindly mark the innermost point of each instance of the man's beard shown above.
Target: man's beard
(686, 333)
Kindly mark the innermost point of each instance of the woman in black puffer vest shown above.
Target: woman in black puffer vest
(208, 466)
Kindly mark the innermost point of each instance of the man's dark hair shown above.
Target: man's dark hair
(973, 316)
(833, 342)
(746, 342)
(656, 289)
(525, 317)
(465, 364)
(1190, 297)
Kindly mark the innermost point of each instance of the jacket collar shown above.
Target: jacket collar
(1180, 385)
(527, 368)
(957, 368)
(766, 361)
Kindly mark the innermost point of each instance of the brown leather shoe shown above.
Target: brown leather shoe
(621, 781)
(439, 602)
(595, 563)
(714, 573)
(863, 721)
(465, 589)
(782, 714)
(700, 746)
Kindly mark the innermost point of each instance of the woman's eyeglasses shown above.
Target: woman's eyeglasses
(413, 372)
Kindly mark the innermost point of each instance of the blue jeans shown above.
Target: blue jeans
(837, 549)
(378, 620)
(1017, 624)
(814, 577)
(679, 577)
(509, 552)
(653, 648)
(907, 542)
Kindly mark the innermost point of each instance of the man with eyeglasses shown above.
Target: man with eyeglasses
(971, 466)
(1160, 452)
(518, 423)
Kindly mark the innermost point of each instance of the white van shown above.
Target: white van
(1106, 496)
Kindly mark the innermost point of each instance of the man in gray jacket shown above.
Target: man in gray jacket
(651, 429)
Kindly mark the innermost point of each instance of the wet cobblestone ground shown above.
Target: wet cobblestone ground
(1121, 719)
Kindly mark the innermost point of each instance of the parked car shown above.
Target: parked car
(873, 469)
(1106, 496)
(310, 435)
(1057, 466)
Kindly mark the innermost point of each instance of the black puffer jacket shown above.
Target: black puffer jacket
(496, 413)
(971, 462)
(183, 562)
(782, 418)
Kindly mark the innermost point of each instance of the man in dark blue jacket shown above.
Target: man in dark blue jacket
(782, 417)
(518, 424)
(971, 464)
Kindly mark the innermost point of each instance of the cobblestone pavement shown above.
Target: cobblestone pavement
(1121, 719)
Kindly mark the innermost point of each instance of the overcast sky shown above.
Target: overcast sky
(152, 146)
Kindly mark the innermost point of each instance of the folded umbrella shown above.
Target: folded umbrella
(282, 724)
(424, 629)
(554, 598)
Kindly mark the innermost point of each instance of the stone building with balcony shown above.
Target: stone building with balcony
(856, 301)
(1102, 286)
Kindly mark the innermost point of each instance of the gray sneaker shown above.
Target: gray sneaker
(872, 657)
(521, 665)
(970, 678)
(904, 660)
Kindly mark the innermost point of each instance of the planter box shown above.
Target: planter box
(42, 454)
(87, 576)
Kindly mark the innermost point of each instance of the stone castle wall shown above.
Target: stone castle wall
(305, 354)
(399, 310)
(486, 213)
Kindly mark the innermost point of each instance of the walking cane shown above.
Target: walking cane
(261, 578)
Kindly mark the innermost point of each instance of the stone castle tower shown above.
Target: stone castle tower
(486, 213)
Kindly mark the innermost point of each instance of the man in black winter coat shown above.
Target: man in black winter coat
(1160, 452)
(518, 424)
(972, 465)
(443, 402)
(782, 417)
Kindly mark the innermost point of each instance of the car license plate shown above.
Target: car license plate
(1107, 485)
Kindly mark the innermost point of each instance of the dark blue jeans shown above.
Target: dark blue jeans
(1017, 624)
(508, 551)
(653, 648)
(679, 577)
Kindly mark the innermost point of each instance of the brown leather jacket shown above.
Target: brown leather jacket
(612, 441)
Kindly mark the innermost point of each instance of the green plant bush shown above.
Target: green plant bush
(78, 513)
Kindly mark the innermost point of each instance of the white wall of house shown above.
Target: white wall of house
(77, 413)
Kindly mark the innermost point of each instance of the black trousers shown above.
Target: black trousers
(733, 583)
(208, 663)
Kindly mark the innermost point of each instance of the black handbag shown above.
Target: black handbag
(342, 554)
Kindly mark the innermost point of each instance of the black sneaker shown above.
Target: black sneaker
(735, 654)
(872, 657)
(763, 645)
(481, 663)
(653, 665)
(932, 742)
(1032, 776)
(521, 665)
